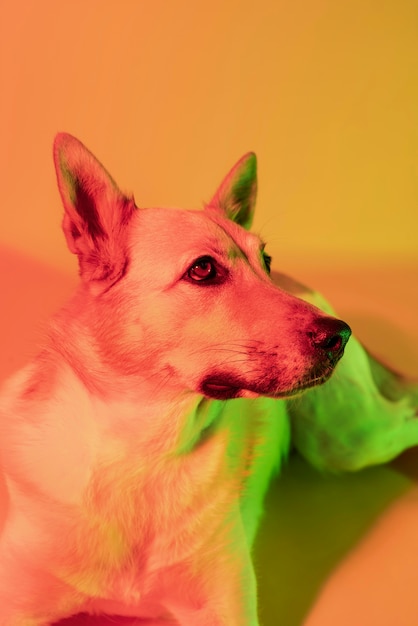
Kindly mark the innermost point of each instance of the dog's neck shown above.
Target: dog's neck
(148, 405)
(145, 406)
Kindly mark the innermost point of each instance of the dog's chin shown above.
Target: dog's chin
(314, 380)
(228, 387)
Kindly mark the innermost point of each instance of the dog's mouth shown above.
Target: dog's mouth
(227, 387)
(221, 387)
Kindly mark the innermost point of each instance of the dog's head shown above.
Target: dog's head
(184, 299)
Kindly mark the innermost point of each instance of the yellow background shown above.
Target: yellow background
(168, 94)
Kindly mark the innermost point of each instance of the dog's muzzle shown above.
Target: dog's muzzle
(322, 347)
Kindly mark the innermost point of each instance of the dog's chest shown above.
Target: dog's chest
(146, 513)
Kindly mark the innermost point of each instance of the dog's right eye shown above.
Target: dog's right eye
(204, 270)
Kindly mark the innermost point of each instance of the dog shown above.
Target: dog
(138, 445)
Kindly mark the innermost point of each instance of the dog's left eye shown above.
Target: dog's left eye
(203, 269)
(267, 261)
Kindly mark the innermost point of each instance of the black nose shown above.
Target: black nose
(330, 337)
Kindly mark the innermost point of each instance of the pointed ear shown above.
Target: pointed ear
(236, 196)
(96, 211)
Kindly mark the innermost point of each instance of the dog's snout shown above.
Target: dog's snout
(330, 337)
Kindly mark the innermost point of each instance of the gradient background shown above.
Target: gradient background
(169, 94)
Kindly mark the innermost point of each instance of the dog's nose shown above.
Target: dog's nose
(330, 337)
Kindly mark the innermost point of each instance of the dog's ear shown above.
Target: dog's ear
(96, 211)
(236, 195)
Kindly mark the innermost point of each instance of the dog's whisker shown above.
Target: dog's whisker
(207, 349)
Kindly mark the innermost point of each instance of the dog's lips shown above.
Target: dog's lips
(217, 386)
(221, 388)
(226, 386)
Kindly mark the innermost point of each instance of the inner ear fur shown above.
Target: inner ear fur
(96, 211)
(236, 195)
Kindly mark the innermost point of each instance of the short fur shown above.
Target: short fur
(137, 447)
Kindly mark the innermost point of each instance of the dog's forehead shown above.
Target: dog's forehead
(181, 231)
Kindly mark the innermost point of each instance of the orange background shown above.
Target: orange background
(168, 94)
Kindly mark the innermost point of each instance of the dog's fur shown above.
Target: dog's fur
(137, 448)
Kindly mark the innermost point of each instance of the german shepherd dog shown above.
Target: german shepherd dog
(137, 447)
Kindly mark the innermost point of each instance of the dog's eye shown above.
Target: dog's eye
(267, 261)
(202, 269)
